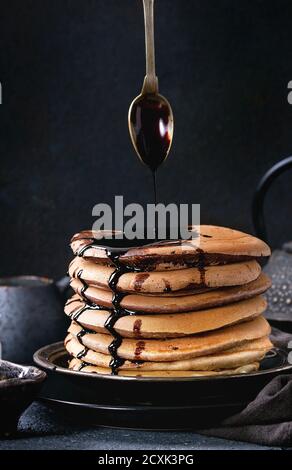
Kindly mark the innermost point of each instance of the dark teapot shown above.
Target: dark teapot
(31, 315)
(279, 266)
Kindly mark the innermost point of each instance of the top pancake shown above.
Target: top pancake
(214, 245)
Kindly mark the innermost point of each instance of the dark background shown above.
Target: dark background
(69, 70)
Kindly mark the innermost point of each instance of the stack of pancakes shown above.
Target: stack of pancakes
(172, 308)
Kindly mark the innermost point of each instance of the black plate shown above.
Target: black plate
(151, 402)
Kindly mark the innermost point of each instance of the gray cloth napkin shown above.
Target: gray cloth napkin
(267, 420)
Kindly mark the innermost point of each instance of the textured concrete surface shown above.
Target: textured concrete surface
(41, 428)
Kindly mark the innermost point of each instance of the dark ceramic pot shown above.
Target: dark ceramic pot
(31, 315)
(19, 386)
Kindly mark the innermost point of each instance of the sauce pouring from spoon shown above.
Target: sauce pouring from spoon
(150, 117)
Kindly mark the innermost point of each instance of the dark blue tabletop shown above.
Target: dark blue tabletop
(41, 428)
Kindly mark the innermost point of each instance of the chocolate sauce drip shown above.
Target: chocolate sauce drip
(114, 253)
(88, 306)
(117, 312)
(72, 301)
(91, 244)
(82, 353)
(76, 315)
(140, 346)
(84, 285)
(155, 198)
(202, 267)
(81, 334)
(138, 362)
(120, 246)
(152, 129)
(137, 327)
(116, 360)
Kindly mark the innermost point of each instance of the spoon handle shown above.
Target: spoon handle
(150, 84)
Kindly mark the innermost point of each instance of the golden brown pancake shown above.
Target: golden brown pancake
(77, 285)
(251, 351)
(167, 325)
(194, 306)
(177, 348)
(174, 304)
(76, 365)
(166, 281)
(220, 245)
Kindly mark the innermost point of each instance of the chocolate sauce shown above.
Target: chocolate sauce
(120, 246)
(152, 129)
(114, 247)
(72, 301)
(140, 279)
(118, 312)
(114, 252)
(84, 284)
(81, 333)
(202, 267)
(138, 362)
(88, 306)
(137, 327)
(116, 360)
(82, 353)
(155, 193)
(140, 346)
(167, 286)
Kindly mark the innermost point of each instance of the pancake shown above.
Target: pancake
(252, 351)
(166, 281)
(171, 308)
(174, 304)
(219, 245)
(77, 365)
(166, 325)
(178, 348)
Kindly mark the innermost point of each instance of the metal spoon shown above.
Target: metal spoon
(150, 117)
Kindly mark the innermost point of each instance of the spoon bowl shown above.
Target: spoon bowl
(151, 128)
